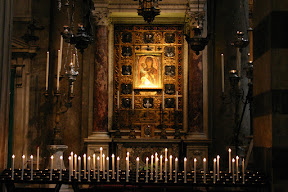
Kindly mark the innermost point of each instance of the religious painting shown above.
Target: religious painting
(148, 72)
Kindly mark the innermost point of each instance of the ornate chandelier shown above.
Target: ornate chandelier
(148, 9)
(193, 30)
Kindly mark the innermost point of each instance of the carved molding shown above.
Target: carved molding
(101, 17)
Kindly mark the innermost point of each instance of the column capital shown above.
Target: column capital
(101, 12)
(101, 17)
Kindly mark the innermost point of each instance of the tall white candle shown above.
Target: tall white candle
(127, 170)
(237, 168)
(79, 166)
(107, 163)
(61, 164)
(31, 159)
(222, 72)
(176, 100)
(195, 169)
(61, 50)
(214, 170)
(133, 99)
(243, 171)
(13, 167)
(47, 70)
(37, 158)
(204, 168)
(118, 99)
(166, 151)
(113, 166)
(70, 167)
(147, 160)
(156, 168)
(171, 167)
(71, 154)
(218, 167)
(229, 150)
(137, 169)
(75, 166)
(101, 153)
(176, 169)
(23, 162)
(185, 170)
(165, 169)
(94, 165)
(103, 166)
(151, 169)
(51, 169)
(58, 71)
(128, 164)
(84, 164)
(163, 101)
(161, 165)
(118, 165)
(233, 171)
(98, 168)
(89, 168)
(74, 60)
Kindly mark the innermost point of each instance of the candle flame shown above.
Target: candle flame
(84, 155)
(166, 149)
(71, 153)
(103, 155)
(147, 159)
(161, 156)
(137, 159)
(79, 158)
(61, 157)
(118, 158)
(185, 159)
(204, 159)
(218, 156)
(233, 160)
(126, 158)
(166, 159)
(69, 157)
(170, 156)
(52, 157)
(13, 156)
(31, 157)
(113, 155)
(98, 158)
(229, 150)
(75, 155)
(127, 153)
(237, 157)
(176, 159)
(23, 156)
(101, 148)
(107, 158)
(214, 160)
(94, 155)
(89, 158)
(195, 159)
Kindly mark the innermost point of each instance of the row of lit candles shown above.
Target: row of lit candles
(103, 164)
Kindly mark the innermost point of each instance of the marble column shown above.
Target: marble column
(270, 91)
(195, 87)
(100, 97)
(99, 136)
(5, 44)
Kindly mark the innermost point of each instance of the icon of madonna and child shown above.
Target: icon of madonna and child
(148, 74)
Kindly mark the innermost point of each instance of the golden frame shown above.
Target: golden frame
(147, 71)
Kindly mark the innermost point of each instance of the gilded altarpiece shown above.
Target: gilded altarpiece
(148, 73)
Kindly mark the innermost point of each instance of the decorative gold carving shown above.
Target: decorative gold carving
(148, 40)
